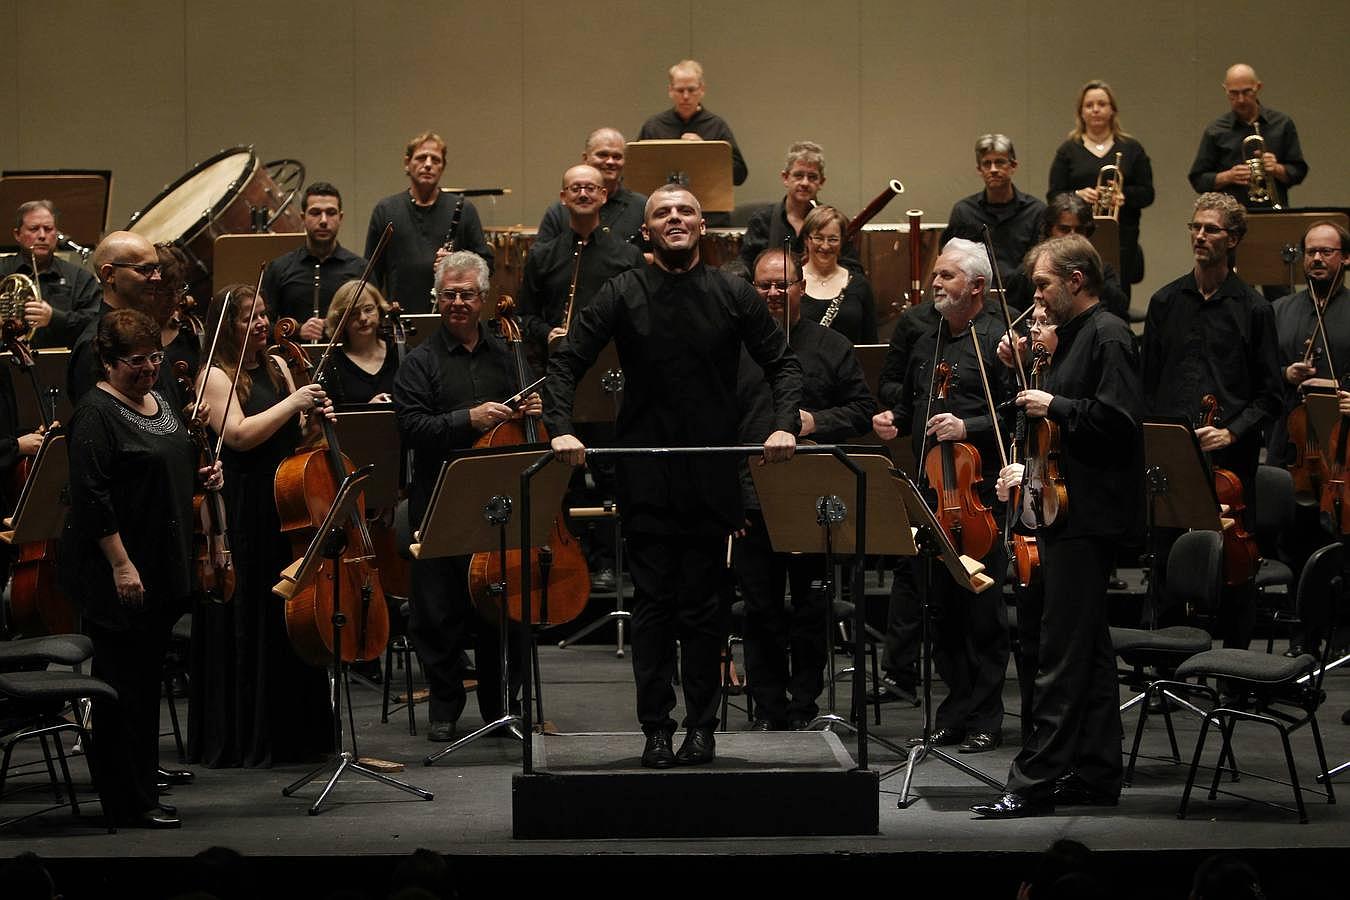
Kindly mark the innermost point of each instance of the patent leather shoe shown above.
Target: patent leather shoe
(153, 818)
(979, 742)
(1013, 806)
(697, 748)
(942, 737)
(441, 732)
(176, 776)
(658, 754)
(167, 809)
(1074, 791)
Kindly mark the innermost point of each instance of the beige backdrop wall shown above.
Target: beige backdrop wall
(891, 89)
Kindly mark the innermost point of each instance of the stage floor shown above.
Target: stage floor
(588, 689)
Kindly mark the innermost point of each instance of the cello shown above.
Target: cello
(561, 596)
(1241, 556)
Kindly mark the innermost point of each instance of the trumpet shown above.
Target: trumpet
(1253, 153)
(1110, 191)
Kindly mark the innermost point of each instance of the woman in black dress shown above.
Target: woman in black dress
(835, 295)
(126, 553)
(1094, 142)
(364, 367)
(258, 704)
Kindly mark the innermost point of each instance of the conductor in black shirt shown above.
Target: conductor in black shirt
(300, 284)
(687, 120)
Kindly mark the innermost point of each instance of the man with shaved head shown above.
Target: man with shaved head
(1220, 164)
(621, 212)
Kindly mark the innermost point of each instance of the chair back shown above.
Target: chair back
(1273, 508)
(1195, 571)
(1320, 601)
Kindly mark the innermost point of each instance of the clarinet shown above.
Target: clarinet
(449, 243)
(832, 310)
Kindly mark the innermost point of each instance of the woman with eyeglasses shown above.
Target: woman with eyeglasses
(366, 362)
(1095, 140)
(255, 703)
(127, 551)
(835, 295)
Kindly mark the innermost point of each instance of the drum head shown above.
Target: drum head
(188, 204)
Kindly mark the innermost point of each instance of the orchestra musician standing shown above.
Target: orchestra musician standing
(300, 284)
(679, 327)
(687, 120)
(1092, 394)
(252, 701)
(971, 644)
(69, 293)
(621, 212)
(1013, 217)
(448, 393)
(1209, 333)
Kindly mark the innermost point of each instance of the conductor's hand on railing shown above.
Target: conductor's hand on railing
(568, 449)
(779, 447)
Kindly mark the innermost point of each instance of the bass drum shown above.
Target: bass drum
(230, 193)
(720, 246)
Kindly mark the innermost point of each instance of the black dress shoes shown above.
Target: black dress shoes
(979, 742)
(1074, 791)
(697, 747)
(943, 737)
(167, 809)
(763, 725)
(1013, 806)
(659, 753)
(153, 818)
(176, 776)
(441, 732)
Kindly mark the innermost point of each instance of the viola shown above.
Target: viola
(305, 487)
(212, 568)
(953, 469)
(1044, 496)
(1241, 556)
(568, 584)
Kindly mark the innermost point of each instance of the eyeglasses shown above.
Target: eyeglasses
(140, 359)
(1328, 252)
(821, 240)
(1236, 93)
(144, 269)
(768, 287)
(1205, 227)
(449, 295)
(577, 189)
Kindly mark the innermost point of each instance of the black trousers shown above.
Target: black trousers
(1075, 706)
(901, 647)
(676, 579)
(971, 647)
(444, 624)
(125, 752)
(784, 648)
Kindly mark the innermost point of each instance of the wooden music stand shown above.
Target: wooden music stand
(420, 326)
(471, 511)
(703, 166)
(1106, 240)
(40, 514)
(79, 195)
(1269, 252)
(237, 257)
(600, 390)
(51, 372)
(367, 434)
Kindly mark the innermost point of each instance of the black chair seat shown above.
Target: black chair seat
(1176, 639)
(1257, 668)
(1273, 573)
(62, 649)
(43, 686)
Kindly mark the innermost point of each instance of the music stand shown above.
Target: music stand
(330, 543)
(1269, 252)
(50, 367)
(1106, 241)
(235, 258)
(364, 433)
(804, 511)
(79, 195)
(40, 513)
(470, 511)
(704, 167)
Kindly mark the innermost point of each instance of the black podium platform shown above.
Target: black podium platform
(761, 785)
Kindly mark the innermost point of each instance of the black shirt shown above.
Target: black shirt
(84, 370)
(1223, 346)
(1295, 322)
(1221, 149)
(348, 383)
(856, 318)
(768, 227)
(1015, 226)
(288, 283)
(547, 278)
(679, 339)
(405, 270)
(74, 295)
(621, 216)
(668, 126)
(1076, 167)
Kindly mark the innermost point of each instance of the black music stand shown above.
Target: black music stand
(932, 544)
(49, 366)
(330, 542)
(704, 167)
(40, 513)
(471, 509)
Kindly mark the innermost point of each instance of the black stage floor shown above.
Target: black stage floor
(1143, 847)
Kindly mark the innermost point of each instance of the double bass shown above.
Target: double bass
(1241, 556)
(562, 596)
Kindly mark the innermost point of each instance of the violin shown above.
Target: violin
(953, 469)
(1044, 496)
(305, 487)
(562, 596)
(1308, 468)
(1241, 556)
(212, 568)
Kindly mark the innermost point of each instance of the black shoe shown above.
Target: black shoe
(176, 776)
(167, 809)
(441, 732)
(162, 787)
(1013, 806)
(697, 748)
(658, 754)
(943, 737)
(800, 724)
(763, 725)
(980, 742)
(152, 818)
(603, 580)
(1072, 790)
(1294, 651)
(895, 689)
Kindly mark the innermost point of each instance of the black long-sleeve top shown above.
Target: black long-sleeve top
(857, 316)
(768, 227)
(668, 126)
(1221, 149)
(131, 475)
(679, 338)
(84, 370)
(1295, 322)
(1075, 167)
(1225, 346)
(348, 383)
(288, 282)
(1021, 292)
(72, 292)
(621, 216)
(547, 278)
(405, 271)
(1098, 407)
(1015, 226)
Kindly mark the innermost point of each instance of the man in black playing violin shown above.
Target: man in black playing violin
(971, 639)
(447, 394)
(1208, 334)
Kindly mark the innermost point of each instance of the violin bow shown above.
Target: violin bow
(360, 289)
(1019, 368)
(239, 365)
